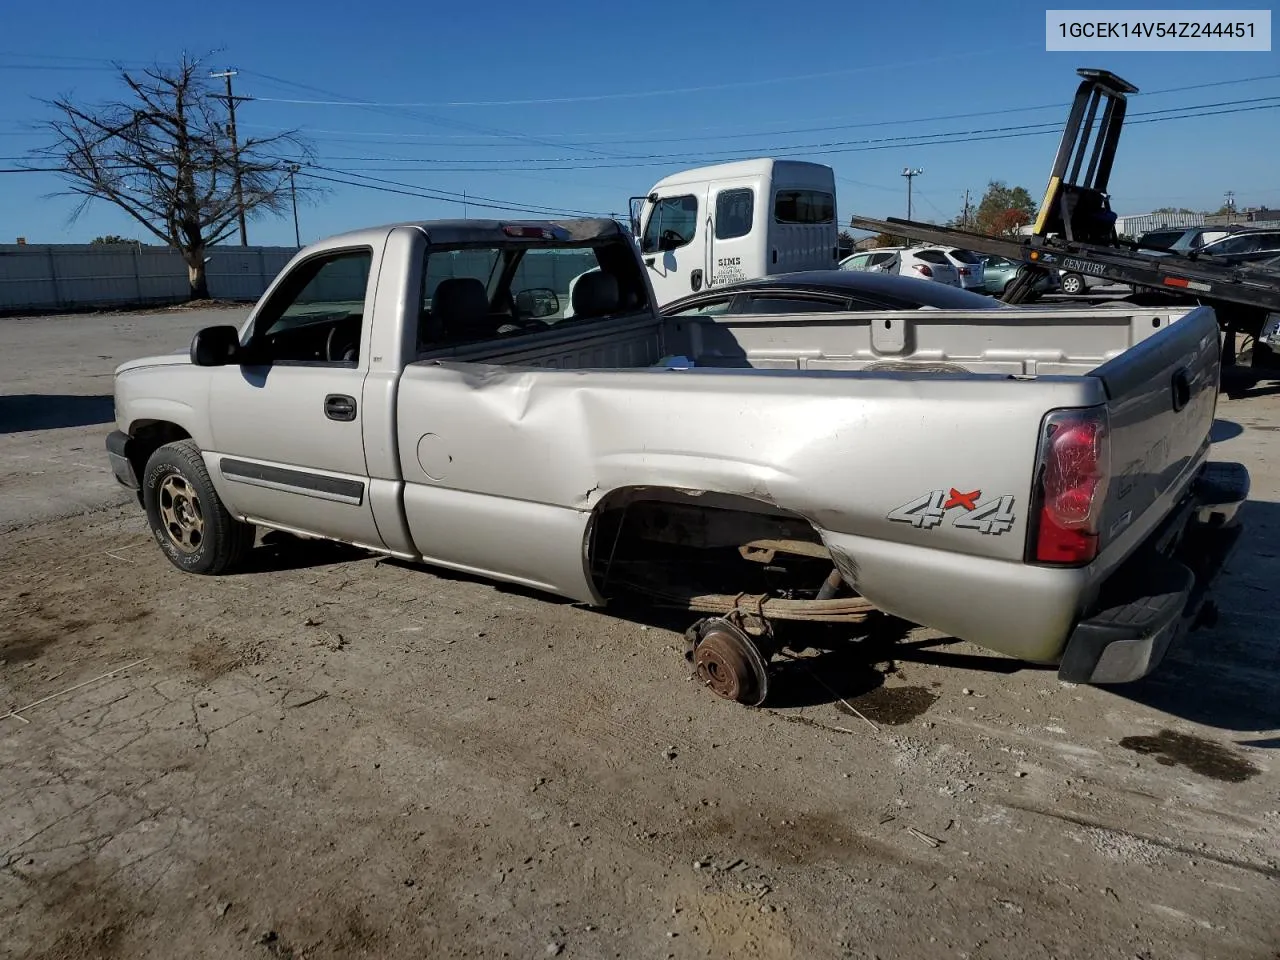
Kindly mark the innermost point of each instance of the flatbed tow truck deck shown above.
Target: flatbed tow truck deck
(1075, 231)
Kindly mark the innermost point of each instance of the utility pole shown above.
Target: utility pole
(1231, 202)
(293, 193)
(235, 152)
(910, 175)
(464, 206)
(964, 219)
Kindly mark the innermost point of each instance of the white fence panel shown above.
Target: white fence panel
(74, 276)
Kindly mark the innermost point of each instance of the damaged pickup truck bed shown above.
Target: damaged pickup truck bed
(1035, 481)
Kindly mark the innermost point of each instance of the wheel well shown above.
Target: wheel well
(148, 436)
(673, 533)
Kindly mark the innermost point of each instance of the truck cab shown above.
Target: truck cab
(736, 221)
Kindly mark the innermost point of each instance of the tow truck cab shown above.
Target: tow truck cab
(736, 221)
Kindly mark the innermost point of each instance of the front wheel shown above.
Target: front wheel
(188, 519)
(1072, 284)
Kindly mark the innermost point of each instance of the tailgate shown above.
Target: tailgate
(1162, 394)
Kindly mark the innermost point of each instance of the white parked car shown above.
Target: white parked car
(969, 265)
(932, 263)
(880, 260)
(929, 263)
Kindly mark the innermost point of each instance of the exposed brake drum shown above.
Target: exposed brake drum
(728, 661)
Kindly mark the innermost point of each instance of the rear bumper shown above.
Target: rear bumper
(1159, 593)
(118, 456)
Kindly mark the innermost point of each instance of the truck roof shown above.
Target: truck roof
(760, 166)
(486, 231)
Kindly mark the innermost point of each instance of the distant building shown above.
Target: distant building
(1137, 224)
(1254, 215)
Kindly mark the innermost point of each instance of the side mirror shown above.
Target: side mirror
(537, 303)
(215, 346)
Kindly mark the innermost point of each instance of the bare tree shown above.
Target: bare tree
(165, 157)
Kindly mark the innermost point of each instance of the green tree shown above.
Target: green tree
(1172, 210)
(111, 238)
(1004, 209)
(887, 240)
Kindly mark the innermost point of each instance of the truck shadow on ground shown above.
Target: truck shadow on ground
(1227, 676)
(279, 551)
(1242, 382)
(36, 411)
(1224, 430)
(836, 667)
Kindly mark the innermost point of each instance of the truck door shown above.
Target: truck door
(287, 422)
(673, 243)
(736, 238)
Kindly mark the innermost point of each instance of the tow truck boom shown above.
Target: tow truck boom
(1074, 229)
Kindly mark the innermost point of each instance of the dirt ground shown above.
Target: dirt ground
(336, 756)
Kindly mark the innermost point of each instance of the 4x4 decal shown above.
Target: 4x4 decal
(992, 516)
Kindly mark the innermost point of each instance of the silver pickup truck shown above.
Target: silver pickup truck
(1035, 481)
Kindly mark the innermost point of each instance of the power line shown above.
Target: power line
(829, 147)
(872, 146)
(455, 197)
(832, 151)
(428, 118)
(799, 130)
(411, 192)
(644, 94)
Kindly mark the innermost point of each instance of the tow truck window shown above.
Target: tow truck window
(734, 211)
(672, 224)
(804, 206)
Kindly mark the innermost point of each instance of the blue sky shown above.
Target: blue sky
(615, 100)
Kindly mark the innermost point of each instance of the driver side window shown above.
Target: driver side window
(672, 224)
(317, 313)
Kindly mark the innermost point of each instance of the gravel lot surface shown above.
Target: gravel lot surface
(336, 756)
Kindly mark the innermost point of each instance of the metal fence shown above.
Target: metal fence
(73, 276)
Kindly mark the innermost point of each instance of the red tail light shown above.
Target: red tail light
(1072, 472)
(921, 269)
(965, 271)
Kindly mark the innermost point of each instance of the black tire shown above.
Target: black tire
(1072, 280)
(187, 518)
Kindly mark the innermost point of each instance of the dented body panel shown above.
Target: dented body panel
(519, 458)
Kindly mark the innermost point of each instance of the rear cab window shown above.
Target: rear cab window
(804, 206)
(966, 256)
(478, 292)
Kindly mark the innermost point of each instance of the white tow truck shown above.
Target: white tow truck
(737, 221)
